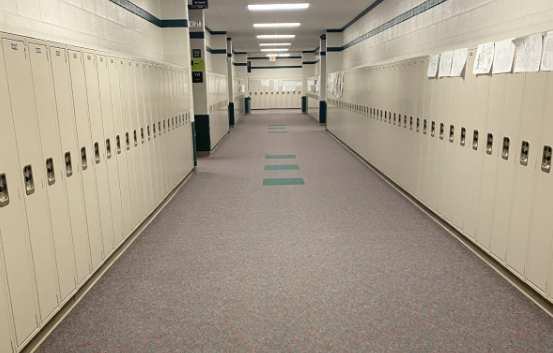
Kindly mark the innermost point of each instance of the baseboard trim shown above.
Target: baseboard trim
(315, 120)
(37, 340)
(503, 271)
(210, 153)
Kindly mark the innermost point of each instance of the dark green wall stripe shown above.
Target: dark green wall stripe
(366, 11)
(304, 104)
(197, 35)
(238, 52)
(425, 6)
(312, 51)
(203, 135)
(214, 33)
(275, 67)
(129, 6)
(267, 58)
(231, 113)
(310, 62)
(215, 51)
(322, 112)
(240, 64)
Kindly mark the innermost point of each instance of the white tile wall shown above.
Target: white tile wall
(98, 24)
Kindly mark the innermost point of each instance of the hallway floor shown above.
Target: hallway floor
(339, 262)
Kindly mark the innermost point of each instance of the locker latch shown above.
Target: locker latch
(142, 135)
(135, 138)
(83, 158)
(154, 128)
(489, 144)
(424, 127)
(418, 124)
(442, 130)
(451, 133)
(546, 159)
(118, 144)
(505, 149)
(463, 136)
(68, 164)
(127, 141)
(389, 117)
(411, 123)
(29, 181)
(97, 152)
(524, 151)
(148, 130)
(475, 140)
(50, 171)
(405, 121)
(159, 128)
(108, 148)
(4, 196)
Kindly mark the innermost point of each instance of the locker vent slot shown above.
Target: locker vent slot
(97, 152)
(83, 158)
(29, 181)
(418, 124)
(118, 143)
(442, 129)
(108, 148)
(4, 195)
(489, 144)
(546, 159)
(424, 127)
(68, 164)
(433, 129)
(451, 133)
(475, 140)
(505, 149)
(50, 171)
(135, 138)
(142, 135)
(463, 136)
(524, 151)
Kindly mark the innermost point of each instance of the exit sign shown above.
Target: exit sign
(199, 4)
(272, 58)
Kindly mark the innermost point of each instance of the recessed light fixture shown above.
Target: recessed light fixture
(271, 25)
(274, 49)
(270, 7)
(279, 55)
(274, 44)
(273, 36)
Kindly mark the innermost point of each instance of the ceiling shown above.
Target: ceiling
(234, 17)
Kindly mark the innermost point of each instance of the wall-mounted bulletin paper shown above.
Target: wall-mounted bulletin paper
(547, 60)
(459, 62)
(484, 59)
(503, 56)
(528, 53)
(446, 60)
(433, 65)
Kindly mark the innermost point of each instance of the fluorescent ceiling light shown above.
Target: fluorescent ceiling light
(279, 55)
(274, 49)
(274, 44)
(272, 36)
(277, 7)
(267, 25)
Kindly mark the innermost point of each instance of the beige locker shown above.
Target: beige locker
(506, 167)
(71, 159)
(7, 343)
(288, 100)
(526, 167)
(53, 160)
(256, 100)
(162, 140)
(155, 141)
(540, 243)
(20, 84)
(434, 143)
(280, 97)
(110, 149)
(272, 95)
(426, 88)
(85, 159)
(15, 249)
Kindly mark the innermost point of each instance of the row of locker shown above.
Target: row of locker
(474, 149)
(91, 144)
(266, 97)
(217, 91)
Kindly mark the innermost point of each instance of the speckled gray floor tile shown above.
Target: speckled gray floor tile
(342, 264)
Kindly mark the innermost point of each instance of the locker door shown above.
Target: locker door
(129, 142)
(53, 160)
(539, 246)
(506, 167)
(257, 97)
(289, 99)
(70, 165)
(162, 139)
(262, 96)
(427, 133)
(433, 144)
(280, 97)
(6, 339)
(20, 85)
(153, 77)
(272, 94)
(110, 148)
(118, 146)
(84, 160)
(15, 251)
(146, 116)
(525, 171)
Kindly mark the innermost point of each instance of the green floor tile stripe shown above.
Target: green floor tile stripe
(277, 125)
(276, 128)
(283, 181)
(277, 132)
(280, 156)
(282, 167)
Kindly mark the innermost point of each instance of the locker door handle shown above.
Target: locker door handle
(411, 123)
(442, 128)
(463, 136)
(4, 195)
(524, 152)
(451, 133)
(418, 124)
(108, 148)
(29, 180)
(97, 152)
(83, 158)
(118, 143)
(505, 150)
(50, 173)
(424, 127)
(148, 131)
(475, 140)
(135, 138)
(405, 121)
(154, 128)
(546, 159)
(489, 144)
(68, 164)
(127, 141)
